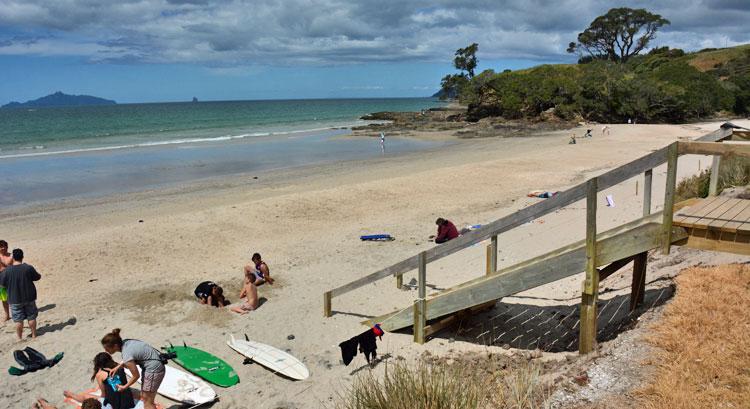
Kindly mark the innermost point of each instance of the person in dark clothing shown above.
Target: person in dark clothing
(117, 399)
(18, 279)
(446, 231)
(211, 294)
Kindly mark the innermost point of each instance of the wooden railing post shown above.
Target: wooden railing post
(587, 334)
(493, 258)
(399, 281)
(669, 198)
(713, 182)
(488, 270)
(420, 304)
(638, 286)
(647, 180)
(327, 304)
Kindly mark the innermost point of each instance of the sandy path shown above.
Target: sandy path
(102, 268)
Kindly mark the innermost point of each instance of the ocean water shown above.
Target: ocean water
(44, 131)
(53, 154)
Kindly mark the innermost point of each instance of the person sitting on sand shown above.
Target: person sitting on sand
(89, 403)
(136, 354)
(446, 231)
(260, 269)
(115, 398)
(248, 295)
(210, 293)
(6, 260)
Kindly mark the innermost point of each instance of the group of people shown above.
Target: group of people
(17, 289)
(256, 273)
(114, 386)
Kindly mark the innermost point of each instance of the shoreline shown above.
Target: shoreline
(102, 268)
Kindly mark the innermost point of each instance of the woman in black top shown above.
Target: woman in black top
(108, 385)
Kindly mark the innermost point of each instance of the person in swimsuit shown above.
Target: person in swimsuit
(6, 259)
(116, 399)
(260, 269)
(136, 354)
(89, 403)
(248, 295)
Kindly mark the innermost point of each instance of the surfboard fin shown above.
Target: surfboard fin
(246, 338)
(184, 344)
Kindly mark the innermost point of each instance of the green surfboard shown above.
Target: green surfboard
(209, 367)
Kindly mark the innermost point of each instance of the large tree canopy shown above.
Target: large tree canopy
(619, 34)
(466, 59)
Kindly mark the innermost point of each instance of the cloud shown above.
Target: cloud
(333, 32)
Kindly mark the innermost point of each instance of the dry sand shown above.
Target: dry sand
(102, 268)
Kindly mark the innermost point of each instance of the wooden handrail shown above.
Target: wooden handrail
(572, 195)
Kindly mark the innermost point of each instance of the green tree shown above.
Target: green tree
(466, 59)
(619, 34)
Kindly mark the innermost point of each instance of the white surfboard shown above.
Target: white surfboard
(183, 387)
(270, 357)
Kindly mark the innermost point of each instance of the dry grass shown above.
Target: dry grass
(443, 386)
(733, 172)
(703, 343)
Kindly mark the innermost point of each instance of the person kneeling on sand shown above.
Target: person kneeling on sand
(111, 396)
(248, 295)
(260, 269)
(210, 293)
(89, 403)
(446, 231)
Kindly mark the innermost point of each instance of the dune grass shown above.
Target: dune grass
(443, 386)
(703, 343)
(733, 172)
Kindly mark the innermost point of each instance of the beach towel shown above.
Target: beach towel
(377, 237)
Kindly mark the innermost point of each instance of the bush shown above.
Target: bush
(442, 386)
(425, 387)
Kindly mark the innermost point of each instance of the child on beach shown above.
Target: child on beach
(260, 269)
(248, 295)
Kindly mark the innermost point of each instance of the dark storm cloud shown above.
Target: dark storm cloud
(290, 32)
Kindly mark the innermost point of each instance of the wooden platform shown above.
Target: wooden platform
(717, 223)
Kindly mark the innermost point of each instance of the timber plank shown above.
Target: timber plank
(686, 212)
(718, 213)
(739, 222)
(691, 217)
(729, 216)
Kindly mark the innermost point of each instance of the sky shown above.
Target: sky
(173, 50)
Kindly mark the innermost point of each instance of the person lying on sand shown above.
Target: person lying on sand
(210, 293)
(260, 269)
(248, 295)
(111, 395)
(89, 403)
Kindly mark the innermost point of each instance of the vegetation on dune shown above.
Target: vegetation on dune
(702, 343)
(733, 172)
(444, 386)
(613, 82)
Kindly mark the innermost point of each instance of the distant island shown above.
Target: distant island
(58, 99)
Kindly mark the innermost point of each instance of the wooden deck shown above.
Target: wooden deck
(717, 223)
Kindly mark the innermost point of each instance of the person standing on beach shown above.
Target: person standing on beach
(382, 142)
(18, 279)
(137, 353)
(5, 260)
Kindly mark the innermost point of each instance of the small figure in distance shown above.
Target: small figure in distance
(588, 134)
(210, 293)
(446, 230)
(605, 130)
(260, 269)
(572, 140)
(248, 295)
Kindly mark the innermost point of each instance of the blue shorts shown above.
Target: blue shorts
(25, 311)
